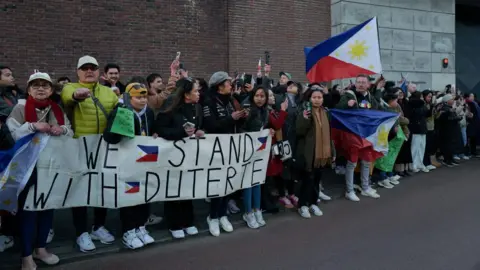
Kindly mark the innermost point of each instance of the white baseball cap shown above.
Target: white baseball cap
(39, 76)
(87, 59)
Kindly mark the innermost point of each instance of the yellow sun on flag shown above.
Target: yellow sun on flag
(383, 136)
(7, 202)
(13, 166)
(3, 180)
(371, 67)
(368, 27)
(35, 140)
(358, 50)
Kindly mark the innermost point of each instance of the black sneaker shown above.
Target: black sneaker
(448, 164)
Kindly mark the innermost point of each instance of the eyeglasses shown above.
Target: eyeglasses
(86, 68)
(138, 86)
(43, 86)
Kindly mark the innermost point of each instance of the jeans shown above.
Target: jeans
(464, 135)
(254, 193)
(419, 142)
(364, 174)
(385, 175)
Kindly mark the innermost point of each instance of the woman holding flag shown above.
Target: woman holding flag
(38, 113)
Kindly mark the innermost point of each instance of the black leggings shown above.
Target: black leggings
(133, 217)
(179, 214)
(80, 218)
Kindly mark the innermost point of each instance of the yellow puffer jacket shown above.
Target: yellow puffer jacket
(87, 118)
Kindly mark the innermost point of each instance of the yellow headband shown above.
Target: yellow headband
(136, 90)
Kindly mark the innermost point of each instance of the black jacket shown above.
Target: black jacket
(120, 86)
(6, 140)
(169, 125)
(417, 113)
(145, 123)
(217, 113)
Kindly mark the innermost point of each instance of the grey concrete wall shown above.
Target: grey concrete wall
(415, 35)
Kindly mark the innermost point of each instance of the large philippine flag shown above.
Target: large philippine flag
(361, 134)
(346, 55)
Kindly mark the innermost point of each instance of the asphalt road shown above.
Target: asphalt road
(430, 221)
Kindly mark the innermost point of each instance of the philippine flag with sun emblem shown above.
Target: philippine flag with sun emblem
(346, 55)
(361, 134)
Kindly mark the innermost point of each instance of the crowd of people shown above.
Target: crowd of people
(439, 128)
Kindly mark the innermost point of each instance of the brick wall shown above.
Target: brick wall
(282, 27)
(143, 36)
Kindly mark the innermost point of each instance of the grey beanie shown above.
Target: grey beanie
(218, 77)
(447, 98)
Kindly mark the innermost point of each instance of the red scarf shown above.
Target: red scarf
(33, 104)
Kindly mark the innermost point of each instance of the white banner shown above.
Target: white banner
(89, 172)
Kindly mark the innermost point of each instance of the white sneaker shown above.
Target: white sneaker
(85, 243)
(153, 220)
(385, 184)
(316, 210)
(250, 220)
(144, 236)
(370, 193)
(131, 241)
(431, 167)
(395, 177)
(51, 234)
(178, 234)
(102, 235)
(6, 242)
(352, 196)
(191, 230)
(207, 200)
(304, 212)
(425, 169)
(259, 217)
(393, 181)
(414, 170)
(213, 226)
(232, 207)
(324, 196)
(465, 158)
(225, 224)
(456, 157)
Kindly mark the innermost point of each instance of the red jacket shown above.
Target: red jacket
(275, 122)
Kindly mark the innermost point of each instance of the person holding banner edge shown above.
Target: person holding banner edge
(133, 218)
(38, 113)
(222, 115)
(182, 119)
(90, 103)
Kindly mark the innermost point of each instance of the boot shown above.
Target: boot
(434, 161)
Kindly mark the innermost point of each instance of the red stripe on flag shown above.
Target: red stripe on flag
(329, 68)
(354, 147)
(148, 158)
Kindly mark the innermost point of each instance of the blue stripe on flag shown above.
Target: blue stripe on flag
(360, 122)
(6, 156)
(325, 48)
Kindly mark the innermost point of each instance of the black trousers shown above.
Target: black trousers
(472, 144)
(283, 185)
(133, 217)
(80, 217)
(218, 207)
(179, 214)
(309, 187)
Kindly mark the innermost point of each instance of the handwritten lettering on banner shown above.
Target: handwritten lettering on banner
(89, 172)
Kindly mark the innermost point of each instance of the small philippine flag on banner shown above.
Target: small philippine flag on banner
(263, 143)
(356, 51)
(132, 187)
(147, 153)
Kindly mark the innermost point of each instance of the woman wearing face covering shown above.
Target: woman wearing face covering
(315, 150)
(36, 114)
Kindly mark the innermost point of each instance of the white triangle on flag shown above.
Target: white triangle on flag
(362, 49)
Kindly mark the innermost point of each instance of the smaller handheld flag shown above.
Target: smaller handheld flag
(263, 143)
(132, 187)
(147, 153)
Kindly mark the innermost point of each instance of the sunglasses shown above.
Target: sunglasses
(86, 68)
(138, 86)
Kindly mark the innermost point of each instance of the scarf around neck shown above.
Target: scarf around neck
(32, 105)
(323, 151)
